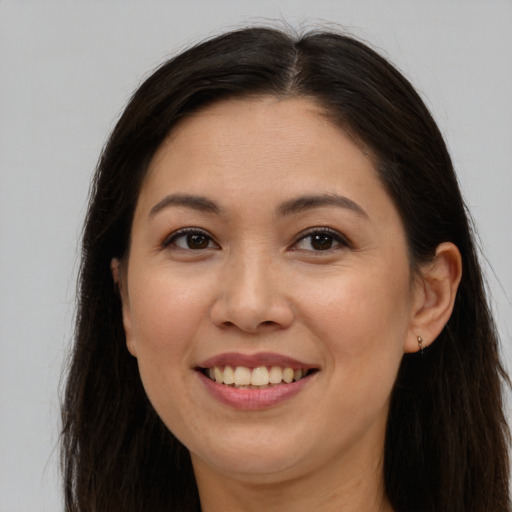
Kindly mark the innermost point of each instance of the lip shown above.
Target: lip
(255, 360)
(254, 399)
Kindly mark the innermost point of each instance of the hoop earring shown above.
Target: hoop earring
(420, 344)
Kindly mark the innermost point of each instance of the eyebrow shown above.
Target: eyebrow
(293, 206)
(309, 202)
(199, 203)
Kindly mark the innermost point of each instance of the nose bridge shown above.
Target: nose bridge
(250, 294)
(251, 279)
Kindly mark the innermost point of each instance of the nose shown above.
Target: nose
(252, 296)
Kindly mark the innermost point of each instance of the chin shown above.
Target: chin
(256, 457)
(256, 470)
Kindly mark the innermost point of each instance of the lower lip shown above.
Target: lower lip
(254, 399)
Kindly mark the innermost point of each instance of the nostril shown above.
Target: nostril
(267, 323)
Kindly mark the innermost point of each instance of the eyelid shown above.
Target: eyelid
(336, 235)
(168, 240)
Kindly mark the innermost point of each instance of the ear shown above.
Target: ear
(118, 270)
(435, 294)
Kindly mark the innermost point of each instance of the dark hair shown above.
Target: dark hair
(447, 438)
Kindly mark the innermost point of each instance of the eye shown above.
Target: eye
(190, 239)
(321, 239)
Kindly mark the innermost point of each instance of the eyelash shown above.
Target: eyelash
(339, 239)
(170, 240)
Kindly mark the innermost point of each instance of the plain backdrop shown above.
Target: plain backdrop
(67, 69)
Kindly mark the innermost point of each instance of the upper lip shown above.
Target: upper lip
(254, 360)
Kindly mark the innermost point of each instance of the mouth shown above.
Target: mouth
(258, 377)
(251, 382)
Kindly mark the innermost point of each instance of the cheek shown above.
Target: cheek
(164, 318)
(361, 310)
(165, 312)
(361, 323)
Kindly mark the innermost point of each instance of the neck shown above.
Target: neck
(349, 487)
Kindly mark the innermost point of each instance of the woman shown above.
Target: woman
(280, 301)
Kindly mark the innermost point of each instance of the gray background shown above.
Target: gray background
(66, 70)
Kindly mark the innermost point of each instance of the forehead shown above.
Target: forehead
(266, 138)
(252, 158)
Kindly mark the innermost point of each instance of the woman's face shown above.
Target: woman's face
(264, 242)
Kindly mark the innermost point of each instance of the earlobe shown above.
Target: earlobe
(434, 297)
(119, 276)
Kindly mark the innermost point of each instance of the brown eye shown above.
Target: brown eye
(197, 241)
(321, 242)
(321, 239)
(190, 240)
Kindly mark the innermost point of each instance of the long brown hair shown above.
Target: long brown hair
(447, 438)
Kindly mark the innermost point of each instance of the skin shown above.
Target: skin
(259, 284)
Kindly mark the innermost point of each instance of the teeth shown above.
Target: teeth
(276, 375)
(219, 377)
(288, 375)
(229, 375)
(260, 377)
(242, 376)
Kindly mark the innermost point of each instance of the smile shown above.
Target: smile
(255, 381)
(260, 377)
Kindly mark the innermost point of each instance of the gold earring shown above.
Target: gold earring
(420, 344)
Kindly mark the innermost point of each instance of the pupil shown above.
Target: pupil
(197, 241)
(321, 242)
